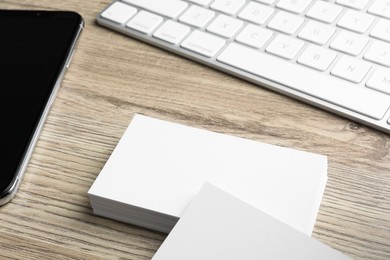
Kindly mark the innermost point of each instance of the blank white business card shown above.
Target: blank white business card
(217, 225)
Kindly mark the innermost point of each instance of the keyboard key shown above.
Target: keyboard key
(285, 22)
(381, 8)
(294, 6)
(172, 32)
(361, 100)
(201, 2)
(351, 69)
(228, 6)
(119, 12)
(379, 52)
(317, 57)
(145, 22)
(254, 36)
(380, 80)
(225, 26)
(317, 32)
(324, 11)
(350, 43)
(267, 2)
(356, 21)
(168, 8)
(356, 4)
(197, 16)
(381, 30)
(285, 46)
(256, 13)
(203, 43)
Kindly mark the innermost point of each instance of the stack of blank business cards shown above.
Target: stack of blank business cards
(217, 225)
(158, 167)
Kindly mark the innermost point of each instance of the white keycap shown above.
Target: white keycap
(356, 4)
(256, 13)
(294, 6)
(379, 52)
(267, 2)
(381, 30)
(227, 6)
(119, 12)
(197, 16)
(285, 22)
(145, 22)
(356, 21)
(351, 69)
(316, 32)
(324, 11)
(381, 8)
(225, 26)
(201, 2)
(254, 36)
(169, 8)
(203, 43)
(361, 100)
(317, 58)
(172, 32)
(349, 42)
(380, 80)
(285, 46)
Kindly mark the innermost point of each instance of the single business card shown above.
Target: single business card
(217, 225)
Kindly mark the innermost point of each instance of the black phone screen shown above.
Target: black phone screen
(34, 47)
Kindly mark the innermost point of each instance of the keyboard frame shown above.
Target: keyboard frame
(382, 125)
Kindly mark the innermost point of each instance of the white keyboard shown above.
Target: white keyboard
(331, 54)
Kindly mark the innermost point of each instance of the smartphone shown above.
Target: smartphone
(35, 49)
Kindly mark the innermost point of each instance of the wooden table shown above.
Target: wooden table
(111, 78)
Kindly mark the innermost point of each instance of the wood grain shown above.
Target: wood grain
(111, 78)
